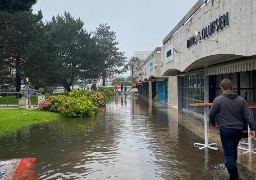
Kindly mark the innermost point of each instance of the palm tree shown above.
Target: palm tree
(133, 65)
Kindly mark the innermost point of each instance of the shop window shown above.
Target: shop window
(193, 92)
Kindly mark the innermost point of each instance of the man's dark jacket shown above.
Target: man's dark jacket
(232, 112)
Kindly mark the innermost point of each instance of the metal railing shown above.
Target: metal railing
(9, 99)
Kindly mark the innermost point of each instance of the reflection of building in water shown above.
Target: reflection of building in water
(213, 41)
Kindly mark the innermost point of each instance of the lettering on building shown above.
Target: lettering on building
(211, 28)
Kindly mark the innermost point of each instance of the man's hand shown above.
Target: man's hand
(252, 134)
(213, 124)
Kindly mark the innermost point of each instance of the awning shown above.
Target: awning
(231, 68)
(161, 78)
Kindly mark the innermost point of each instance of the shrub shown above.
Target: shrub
(57, 101)
(95, 96)
(45, 105)
(77, 107)
(100, 98)
(77, 103)
(108, 91)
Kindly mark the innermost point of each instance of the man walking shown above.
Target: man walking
(122, 87)
(231, 112)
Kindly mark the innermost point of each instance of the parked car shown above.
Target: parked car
(75, 87)
(31, 90)
(5, 88)
(59, 89)
(82, 87)
(48, 89)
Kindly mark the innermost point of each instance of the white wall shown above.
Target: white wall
(236, 39)
(152, 67)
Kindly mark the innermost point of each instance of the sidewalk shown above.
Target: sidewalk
(196, 126)
(14, 106)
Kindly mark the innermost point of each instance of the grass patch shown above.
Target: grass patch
(14, 119)
(9, 100)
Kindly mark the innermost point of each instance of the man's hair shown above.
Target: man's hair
(226, 84)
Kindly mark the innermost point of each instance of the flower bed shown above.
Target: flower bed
(77, 103)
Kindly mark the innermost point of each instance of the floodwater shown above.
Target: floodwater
(128, 139)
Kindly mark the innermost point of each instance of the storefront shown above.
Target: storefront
(205, 87)
(162, 94)
(192, 92)
(214, 40)
(145, 88)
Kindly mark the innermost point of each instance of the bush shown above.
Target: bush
(57, 101)
(77, 107)
(107, 91)
(100, 98)
(45, 105)
(77, 103)
(97, 97)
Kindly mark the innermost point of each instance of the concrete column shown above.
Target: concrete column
(150, 90)
(173, 98)
(179, 93)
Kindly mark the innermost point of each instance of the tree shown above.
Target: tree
(73, 53)
(129, 79)
(118, 80)
(17, 33)
(16, 5)
(132, 65)
(110, 59)
(89, 68)
(41, 59)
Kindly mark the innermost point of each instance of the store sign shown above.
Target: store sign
(169, 53)
(151, 66)
(210, 29)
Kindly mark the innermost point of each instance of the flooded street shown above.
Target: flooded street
(128, 139)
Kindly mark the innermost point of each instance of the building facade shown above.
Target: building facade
(215, 40)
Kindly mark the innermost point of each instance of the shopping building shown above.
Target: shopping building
(216, 39)
(153, 81)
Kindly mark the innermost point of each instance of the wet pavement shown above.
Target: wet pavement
(128, 139)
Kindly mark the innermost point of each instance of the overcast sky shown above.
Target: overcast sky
(140, 25)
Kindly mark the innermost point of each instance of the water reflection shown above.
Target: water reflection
(129, 139)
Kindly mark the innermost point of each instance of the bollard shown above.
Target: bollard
(40, 98)
(22, 103)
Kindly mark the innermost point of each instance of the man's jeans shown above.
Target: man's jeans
(230, 139)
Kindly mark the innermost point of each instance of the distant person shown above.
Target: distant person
(232, 113)
(139, 86)
(122, 87)
(93, 87)
(125, 90)
(27, 93)
(116, 87)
